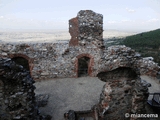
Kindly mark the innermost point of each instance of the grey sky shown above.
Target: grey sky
(133, 15)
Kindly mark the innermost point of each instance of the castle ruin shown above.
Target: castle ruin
(119, 66)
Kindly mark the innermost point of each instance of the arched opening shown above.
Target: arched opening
(83, 64)
(119, 73)
(21, 61)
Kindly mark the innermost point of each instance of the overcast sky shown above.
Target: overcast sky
(132, 15)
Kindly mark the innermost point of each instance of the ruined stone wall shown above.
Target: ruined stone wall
(17, 97)
(118, 66)
(74, 31)
(149, 67)
(51, 60)
(124, 92)
(86, 29)
(45, 59)
(90, 29)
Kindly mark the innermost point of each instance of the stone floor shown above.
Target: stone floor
(75, 94)
(69, 94)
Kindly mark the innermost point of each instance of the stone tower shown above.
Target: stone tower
(86, 29)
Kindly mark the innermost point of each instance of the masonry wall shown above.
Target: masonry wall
(86, 29)
(49, 60)
(52, 60)
(124, 92)
(17, 97)
(119, 66)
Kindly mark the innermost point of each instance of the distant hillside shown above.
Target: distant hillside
(149, 39)
(147, 43)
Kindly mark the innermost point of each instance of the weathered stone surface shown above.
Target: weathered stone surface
(124, 92)
(61, 59)
(73, 30)
(17, 92)
(149, 67)
(50, 60)
(44, 73)
(17, 97)
(4, 54)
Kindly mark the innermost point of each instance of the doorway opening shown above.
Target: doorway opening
(83, 65)
(22, 61)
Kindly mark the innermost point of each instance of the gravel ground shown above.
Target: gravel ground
(75, 94)
(69, 94)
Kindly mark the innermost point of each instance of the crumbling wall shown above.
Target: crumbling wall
(74, 31)
(90, 28)
(17, 97)
(118, 66)
(123, 93)
(86, 29)
(148, 67)
(62, 60)
(52, 60)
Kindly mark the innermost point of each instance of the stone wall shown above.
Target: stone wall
(124, 92)
(17, 97)
(119, 66)
(86, 29)
(149, 67)
(52, 60)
